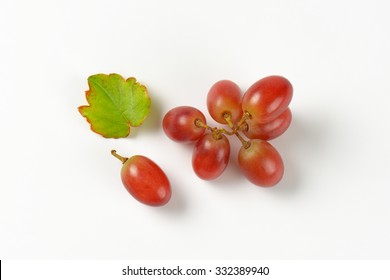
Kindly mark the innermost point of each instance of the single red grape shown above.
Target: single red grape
(145, 180)
(267, 98)
(270, 130)
(223, 98)
(210, 156)
(261, 163)
(179, 124)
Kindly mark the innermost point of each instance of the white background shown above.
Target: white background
(60, 189)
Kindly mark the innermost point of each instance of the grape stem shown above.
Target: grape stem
(245, 143)
(122, 159)
(200, 124)
(240, 125)
(242, 122)
(224, 131)
(228, 119)
(216, 132)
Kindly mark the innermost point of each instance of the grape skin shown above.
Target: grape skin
(179, 124)
(267, 98)
(224, 97)
(146, 181)
(270, 130)
(261, 163)
(261, 114)
(210, 156)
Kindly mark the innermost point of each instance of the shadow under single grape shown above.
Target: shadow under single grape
(301, 143)
(178, 203)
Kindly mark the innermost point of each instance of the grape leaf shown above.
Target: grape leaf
(115, 105)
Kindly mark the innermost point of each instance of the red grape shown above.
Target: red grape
(261, 163)
(267, 98)
(210, 156)
(270, 130)
(145, 180)
(179, 124)
(224, 97)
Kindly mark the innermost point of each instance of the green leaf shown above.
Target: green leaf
(115, 105)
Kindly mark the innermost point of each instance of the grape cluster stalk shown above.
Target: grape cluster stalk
(260, 114)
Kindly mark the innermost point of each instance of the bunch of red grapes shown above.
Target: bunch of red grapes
(261, 114)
